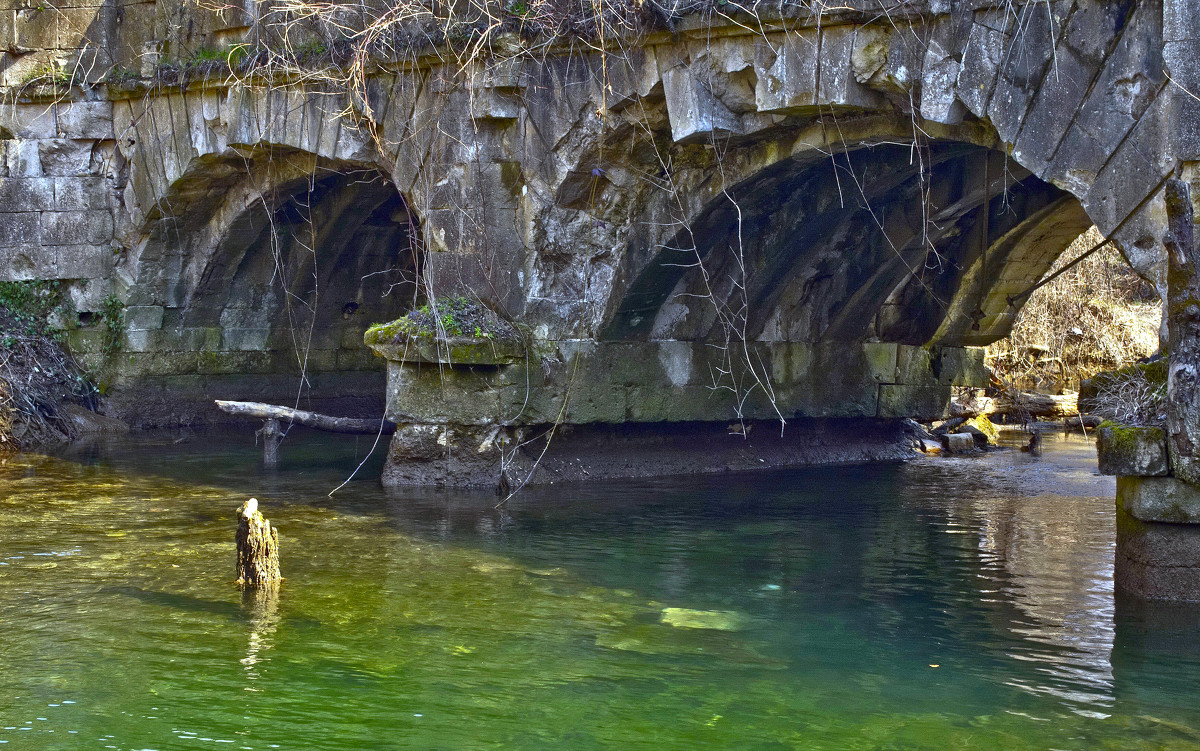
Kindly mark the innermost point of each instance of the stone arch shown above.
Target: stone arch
(877, 241)
(260, 271)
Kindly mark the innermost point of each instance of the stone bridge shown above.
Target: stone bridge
(808, 215)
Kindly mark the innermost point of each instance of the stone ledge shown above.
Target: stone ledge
(1159, 499)
(458, 350)
(1123, 450)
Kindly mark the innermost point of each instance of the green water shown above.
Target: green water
(417, 620)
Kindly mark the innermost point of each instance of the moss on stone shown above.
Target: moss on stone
(984, 425)
(1125, 437)
(450, 318)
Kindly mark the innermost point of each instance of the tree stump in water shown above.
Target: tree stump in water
(257, 548)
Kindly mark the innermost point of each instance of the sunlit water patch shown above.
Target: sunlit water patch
(958, 603)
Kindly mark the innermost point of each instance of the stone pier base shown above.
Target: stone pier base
(1158, 539)
(491, 456)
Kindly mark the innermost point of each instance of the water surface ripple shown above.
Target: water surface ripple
(956, 603)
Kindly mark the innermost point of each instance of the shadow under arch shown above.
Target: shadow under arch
(270, 278)
(887, 241)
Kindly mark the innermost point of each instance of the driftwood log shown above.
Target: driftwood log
(1183, 334)
(274, 416)
(257, 548)
(1019, 403)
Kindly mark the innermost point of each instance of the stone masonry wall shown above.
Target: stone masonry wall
(528, 179)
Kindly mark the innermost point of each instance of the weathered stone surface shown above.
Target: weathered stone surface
(958, 443)
(143, 317)
(639, 221)
(1127, 450)
(1159, 499)
(1157, 560)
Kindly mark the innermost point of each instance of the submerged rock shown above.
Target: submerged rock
(715, 620)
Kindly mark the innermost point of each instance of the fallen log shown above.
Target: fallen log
(272, 415)
(1019, 403)
(308, 419)
(1035, 405)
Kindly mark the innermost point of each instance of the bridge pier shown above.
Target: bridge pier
(1158, 495)
(603, 405)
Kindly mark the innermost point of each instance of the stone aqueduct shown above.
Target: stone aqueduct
(849, 197)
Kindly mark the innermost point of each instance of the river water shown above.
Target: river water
(954, 603)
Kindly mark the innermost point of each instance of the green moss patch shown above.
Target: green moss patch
(448, 318)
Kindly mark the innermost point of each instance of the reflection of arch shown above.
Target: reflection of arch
(874, 242)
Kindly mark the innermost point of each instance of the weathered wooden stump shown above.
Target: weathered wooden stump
(272, 435)
(257, 548)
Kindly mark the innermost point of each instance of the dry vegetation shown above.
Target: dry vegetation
(38, 377)
(1097, 316)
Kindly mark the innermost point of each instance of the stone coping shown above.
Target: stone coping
(1124, 450)
(456, 350)
(1159, 499)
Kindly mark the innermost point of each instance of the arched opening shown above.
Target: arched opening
(296, 278)
(888, 242)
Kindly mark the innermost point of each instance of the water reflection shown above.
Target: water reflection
(953, 603)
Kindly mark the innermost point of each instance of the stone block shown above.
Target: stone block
(245, 339)
(25, 261)
(982, 56)
(65, 157)
(881, 361)
(23, 159)
(958, 443)
(143, 317)
(962, 366)
(939, 78)
(35, 28)
(1156, 560)
(695, 113)
(1138, 165)
(1026, 58)
(20, 230)
(87, 119)
(836, 82)
(787, 76)
(83, 261)
(925, 401)
(26, 194)
(1180, 21)
(914, 365)
(1053, 110)
(94, 227)
(80, 193)
(1183, 61)
(140, 341)
(1127, 82)
(1126, 450)
(85, 340)
(1159, 499)
(220, 363)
